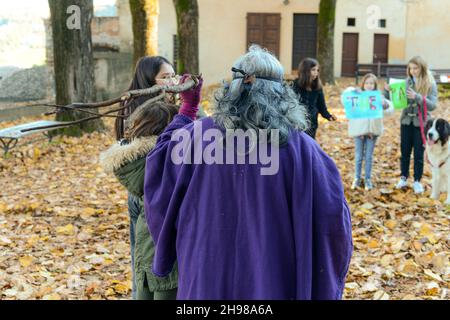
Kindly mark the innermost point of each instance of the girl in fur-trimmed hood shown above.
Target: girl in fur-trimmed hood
(126, 160)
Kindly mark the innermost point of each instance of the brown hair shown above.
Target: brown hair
(369, 76)
(147, 68)
(425, 80)
(304, 74)
(150, 120)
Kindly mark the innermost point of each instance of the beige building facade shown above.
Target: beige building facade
(428, 32)
(366, 31)
(223, 31)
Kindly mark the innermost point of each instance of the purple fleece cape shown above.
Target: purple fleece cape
(237, 234)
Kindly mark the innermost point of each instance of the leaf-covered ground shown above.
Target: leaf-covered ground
(64, 224)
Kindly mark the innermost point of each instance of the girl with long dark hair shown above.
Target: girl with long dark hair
(309, 89)
(149, 71)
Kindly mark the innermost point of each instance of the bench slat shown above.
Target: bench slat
(15, 133)
(441, 75)
(396, 71)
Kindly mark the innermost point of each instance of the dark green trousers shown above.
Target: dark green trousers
(146, 294)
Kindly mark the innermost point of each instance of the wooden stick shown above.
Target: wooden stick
(135, 113)
(172, 89)
(141, 92)
(70, 123)
(190, 83)
(70, 107)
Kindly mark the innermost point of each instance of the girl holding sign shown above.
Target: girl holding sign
(309, 89)
(366, 132)
(421, 91)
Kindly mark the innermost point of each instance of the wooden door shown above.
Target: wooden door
(304, 44)
(264, 29)
(349, 54)
(380, 48)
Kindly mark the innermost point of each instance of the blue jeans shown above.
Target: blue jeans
(364, 147)
(133, 211)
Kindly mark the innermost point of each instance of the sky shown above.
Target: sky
(37, 7)
(22, 40)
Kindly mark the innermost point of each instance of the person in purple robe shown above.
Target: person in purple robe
(260, 217)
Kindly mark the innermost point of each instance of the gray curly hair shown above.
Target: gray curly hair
(266, 103)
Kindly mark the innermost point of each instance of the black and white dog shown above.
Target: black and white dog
(438, 153)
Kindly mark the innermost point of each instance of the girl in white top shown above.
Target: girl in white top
(365, 133)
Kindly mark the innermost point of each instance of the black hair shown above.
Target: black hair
(147, 68)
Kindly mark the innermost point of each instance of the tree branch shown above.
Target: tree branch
(96, 116)
(142, 92)
(71, 107)
(190, 83)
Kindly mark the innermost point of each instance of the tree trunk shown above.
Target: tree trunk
(73, 60)
(144, 14)
(187, 29)
(327, 10)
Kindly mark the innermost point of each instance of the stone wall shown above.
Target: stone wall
(27, 85)
(112, 57)
(113, 72)
(105, 33)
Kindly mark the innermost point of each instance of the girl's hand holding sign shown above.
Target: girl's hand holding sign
(411, 94)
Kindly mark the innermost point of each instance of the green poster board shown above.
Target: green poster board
(398, 94)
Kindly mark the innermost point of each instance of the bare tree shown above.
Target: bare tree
(187, 30)
(326, 19)
(73, 60)
(144, 14)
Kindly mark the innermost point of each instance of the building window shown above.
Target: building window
(382, 23)
(351, 22)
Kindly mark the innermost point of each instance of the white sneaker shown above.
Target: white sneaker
(356, 184)
(403, 183)
(418, 188)
(368, 185)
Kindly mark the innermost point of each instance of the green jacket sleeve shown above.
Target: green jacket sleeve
(131, 176)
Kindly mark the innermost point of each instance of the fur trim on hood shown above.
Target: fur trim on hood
(117, 156)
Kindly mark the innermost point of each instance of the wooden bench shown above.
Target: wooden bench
(363, 69)
(9, 137)
(379, 69)
(441, 75)
(396, 73)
